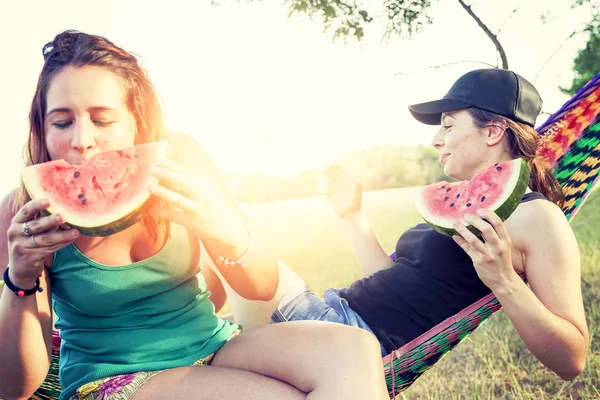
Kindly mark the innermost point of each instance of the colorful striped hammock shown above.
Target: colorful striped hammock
(571, 143)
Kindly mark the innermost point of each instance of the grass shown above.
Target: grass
(493, 363)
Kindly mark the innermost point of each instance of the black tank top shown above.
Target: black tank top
(431, 280)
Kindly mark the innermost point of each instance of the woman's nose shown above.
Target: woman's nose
(438, 138)
(83, 138)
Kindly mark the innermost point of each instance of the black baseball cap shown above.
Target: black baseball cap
(497, 90)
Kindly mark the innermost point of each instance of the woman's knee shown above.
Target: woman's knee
(356, 345)
(366, 343)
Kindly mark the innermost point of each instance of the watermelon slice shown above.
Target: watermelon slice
(106, 194)
(499, 188)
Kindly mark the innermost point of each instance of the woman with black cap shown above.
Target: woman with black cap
(486, 117)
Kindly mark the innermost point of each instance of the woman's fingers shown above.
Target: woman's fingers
(173, 179)
(23, 226)
(494, 233)
(177, 217)
(468, 237)
(179, 179)
(44, 224)
(463, 244)
(487, 231)
(173, 198)
(50, 240)
(171, 165)
(496, 222)
(30, 251)
(29, 210)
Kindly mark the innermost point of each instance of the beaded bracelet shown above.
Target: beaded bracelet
(238, 261)
(17, 290)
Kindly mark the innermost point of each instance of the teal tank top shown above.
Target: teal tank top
(150, 315)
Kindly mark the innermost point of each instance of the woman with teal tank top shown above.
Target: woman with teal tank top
(134, 314)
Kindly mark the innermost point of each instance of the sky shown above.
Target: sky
(265, 92)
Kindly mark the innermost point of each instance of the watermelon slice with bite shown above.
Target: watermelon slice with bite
(106, 194)
(499, 187)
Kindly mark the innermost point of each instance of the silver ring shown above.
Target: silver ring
(34, 242)
(26, 231)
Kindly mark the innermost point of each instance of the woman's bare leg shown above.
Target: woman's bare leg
(208, 383)
(294, 360)
(325, 360)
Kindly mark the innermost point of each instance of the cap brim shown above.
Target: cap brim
(430, 113)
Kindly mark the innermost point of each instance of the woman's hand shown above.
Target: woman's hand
(343, 192)
(31, 240)
(197, 206)
(492, 256)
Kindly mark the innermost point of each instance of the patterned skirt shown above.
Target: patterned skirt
(122, 387)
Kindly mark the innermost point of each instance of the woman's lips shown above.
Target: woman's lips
(443, 157)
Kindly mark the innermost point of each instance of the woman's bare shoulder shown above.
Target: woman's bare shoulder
(536, 220)
(539, 212)
(541, 226)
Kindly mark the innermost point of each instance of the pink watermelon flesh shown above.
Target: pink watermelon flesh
(91, 187)
(100, 194)
(442, 203)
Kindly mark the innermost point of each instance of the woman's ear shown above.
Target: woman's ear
(495, 132)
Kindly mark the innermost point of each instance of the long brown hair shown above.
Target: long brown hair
(78, 49)
(523, 143)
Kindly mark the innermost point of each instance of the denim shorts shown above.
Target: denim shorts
(301, 304)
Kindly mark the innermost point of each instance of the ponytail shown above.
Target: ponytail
(542, 180)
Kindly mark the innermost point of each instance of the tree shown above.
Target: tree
(404, 18)
(587, 63)
(348, 19)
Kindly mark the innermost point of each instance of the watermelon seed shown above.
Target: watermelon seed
(446, 198)
(452, 205)
(468, 204)
(443, 187)
(449, 189)
(498, 168)
(76, 174)
(80, 196)
(458, 195)
(482, 198)
(83, 201)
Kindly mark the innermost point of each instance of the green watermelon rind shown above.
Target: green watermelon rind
(95, 226)
(503, 211)
(119, 225)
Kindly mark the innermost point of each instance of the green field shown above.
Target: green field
(493, 363)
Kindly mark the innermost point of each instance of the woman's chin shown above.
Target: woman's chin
(448, 172)
(453, 174)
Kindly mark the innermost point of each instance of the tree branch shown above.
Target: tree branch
(508, 19)
(557, 50)
(445, 65)
(489, 33)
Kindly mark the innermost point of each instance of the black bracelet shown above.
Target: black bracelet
(18, 291)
